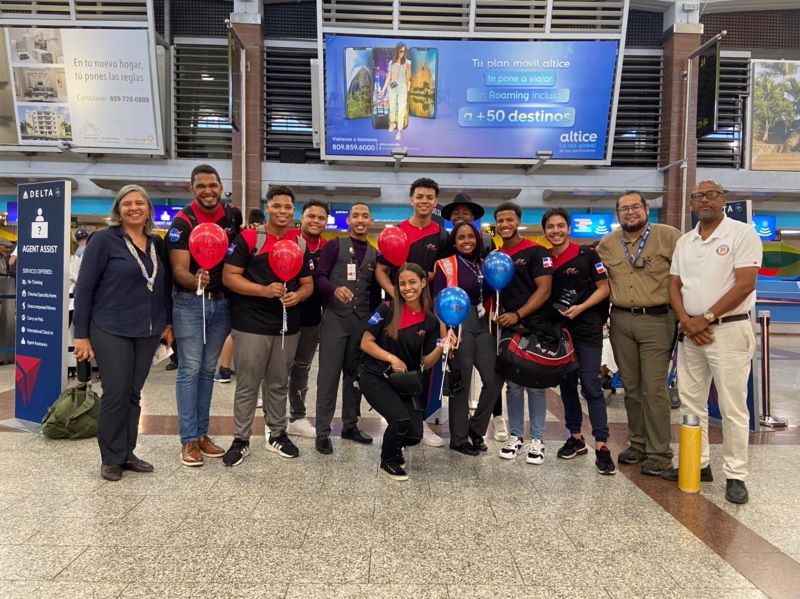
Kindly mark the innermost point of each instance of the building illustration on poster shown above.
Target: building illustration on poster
(93, 88)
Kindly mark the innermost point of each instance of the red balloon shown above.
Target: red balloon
(393, 245)
(286, 259)
(208, 244)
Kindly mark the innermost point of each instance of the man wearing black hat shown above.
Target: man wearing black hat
(462, 208)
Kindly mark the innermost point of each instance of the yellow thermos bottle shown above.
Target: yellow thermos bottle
(689, 455)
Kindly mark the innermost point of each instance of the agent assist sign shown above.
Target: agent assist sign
(42, 296)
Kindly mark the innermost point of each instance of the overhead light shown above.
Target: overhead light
(206, 77)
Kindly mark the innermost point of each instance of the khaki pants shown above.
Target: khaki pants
(261, 358)
(642, 346)
(727, 361)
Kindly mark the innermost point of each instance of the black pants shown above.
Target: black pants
(404, 422)
(124, 364)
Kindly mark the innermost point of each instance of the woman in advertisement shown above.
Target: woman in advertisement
(397, 82)
(123, 308)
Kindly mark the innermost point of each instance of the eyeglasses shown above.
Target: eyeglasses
(712, 195)
(633, 208)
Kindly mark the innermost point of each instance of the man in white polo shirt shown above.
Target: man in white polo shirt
(712, 291)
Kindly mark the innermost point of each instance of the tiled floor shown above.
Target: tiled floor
(329, 526)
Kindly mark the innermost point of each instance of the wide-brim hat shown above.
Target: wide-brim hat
(463, 199)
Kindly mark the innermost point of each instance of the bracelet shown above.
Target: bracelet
(519, 318)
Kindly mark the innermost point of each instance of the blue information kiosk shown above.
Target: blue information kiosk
(42, 298)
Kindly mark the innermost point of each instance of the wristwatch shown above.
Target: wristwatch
(709, 316)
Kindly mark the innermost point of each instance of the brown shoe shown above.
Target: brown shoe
(190, 454)
(208, 448)
(112, 472)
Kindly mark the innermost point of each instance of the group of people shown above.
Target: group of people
(136, 290)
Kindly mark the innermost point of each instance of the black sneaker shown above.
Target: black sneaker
(477, 442)
(223, 376)
(572, 448)
(605, 465)
(323, 444)
(353, 434)
(401, 459)
(393, 471)
(466, 448)
(283, 446)
(671, 474)
(736, 491)
(237, 452)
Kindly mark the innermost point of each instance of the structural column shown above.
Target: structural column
(681, 39)
(247, 26)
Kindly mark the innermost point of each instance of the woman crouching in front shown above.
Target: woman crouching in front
(400, 338)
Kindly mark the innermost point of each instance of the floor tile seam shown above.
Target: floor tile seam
(72, 561)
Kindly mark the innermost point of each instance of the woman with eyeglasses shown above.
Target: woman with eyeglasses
(398, 80)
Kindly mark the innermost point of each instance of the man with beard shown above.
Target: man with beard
(197, 358)
(712, 290)
(637, 257)
(345, 278)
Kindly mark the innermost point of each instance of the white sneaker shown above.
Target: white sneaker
(535, 452)
(500, 429)
(302, 428)
(430, 438)
(512, 448)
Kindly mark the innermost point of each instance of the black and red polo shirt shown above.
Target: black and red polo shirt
(261, 315)
(578, 269)
(311, 309)
(424, 246)
(531, 260)
(416, 337)
(187, 219)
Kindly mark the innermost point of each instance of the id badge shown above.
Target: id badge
(481, 311)
(351, 272)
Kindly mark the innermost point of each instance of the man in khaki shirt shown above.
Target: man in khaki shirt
(637, 257)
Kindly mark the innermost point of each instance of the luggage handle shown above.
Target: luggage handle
(84, 371)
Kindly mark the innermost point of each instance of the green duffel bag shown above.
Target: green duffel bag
(73, 415)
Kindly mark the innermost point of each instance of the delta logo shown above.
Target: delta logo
(27, 371)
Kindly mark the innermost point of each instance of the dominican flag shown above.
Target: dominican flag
(601, 270)
(547, 262)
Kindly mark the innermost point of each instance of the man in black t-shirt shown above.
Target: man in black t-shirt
(425, 239)
(580, 297)
(521, 299)
(313, 221)
(263, 347)
(197, 355)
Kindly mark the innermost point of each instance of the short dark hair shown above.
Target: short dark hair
(359, 204)
(424, 182)
(509, 206)
(559, 211)
(320, 204)
(632, 192)
(204, 169)
(256, 217)
(279, 190)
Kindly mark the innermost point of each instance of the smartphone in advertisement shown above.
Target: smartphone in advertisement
(358, 82)
(422, 93)
(381, 59)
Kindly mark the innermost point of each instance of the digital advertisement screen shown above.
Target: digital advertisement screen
(590, 225)
(468, 99)
(765, 225)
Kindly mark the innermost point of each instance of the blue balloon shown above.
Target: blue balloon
(452, 306)
(498, 268)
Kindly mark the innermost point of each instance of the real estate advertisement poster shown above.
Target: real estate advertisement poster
(91, 88)
(775, 142)
(468, 99)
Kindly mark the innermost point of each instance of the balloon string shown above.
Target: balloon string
(285, 319)
(444, 358)
(496, 316)
(203, 301)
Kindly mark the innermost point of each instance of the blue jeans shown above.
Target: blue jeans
(589, 359)
(197, 362)
(515, 407)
